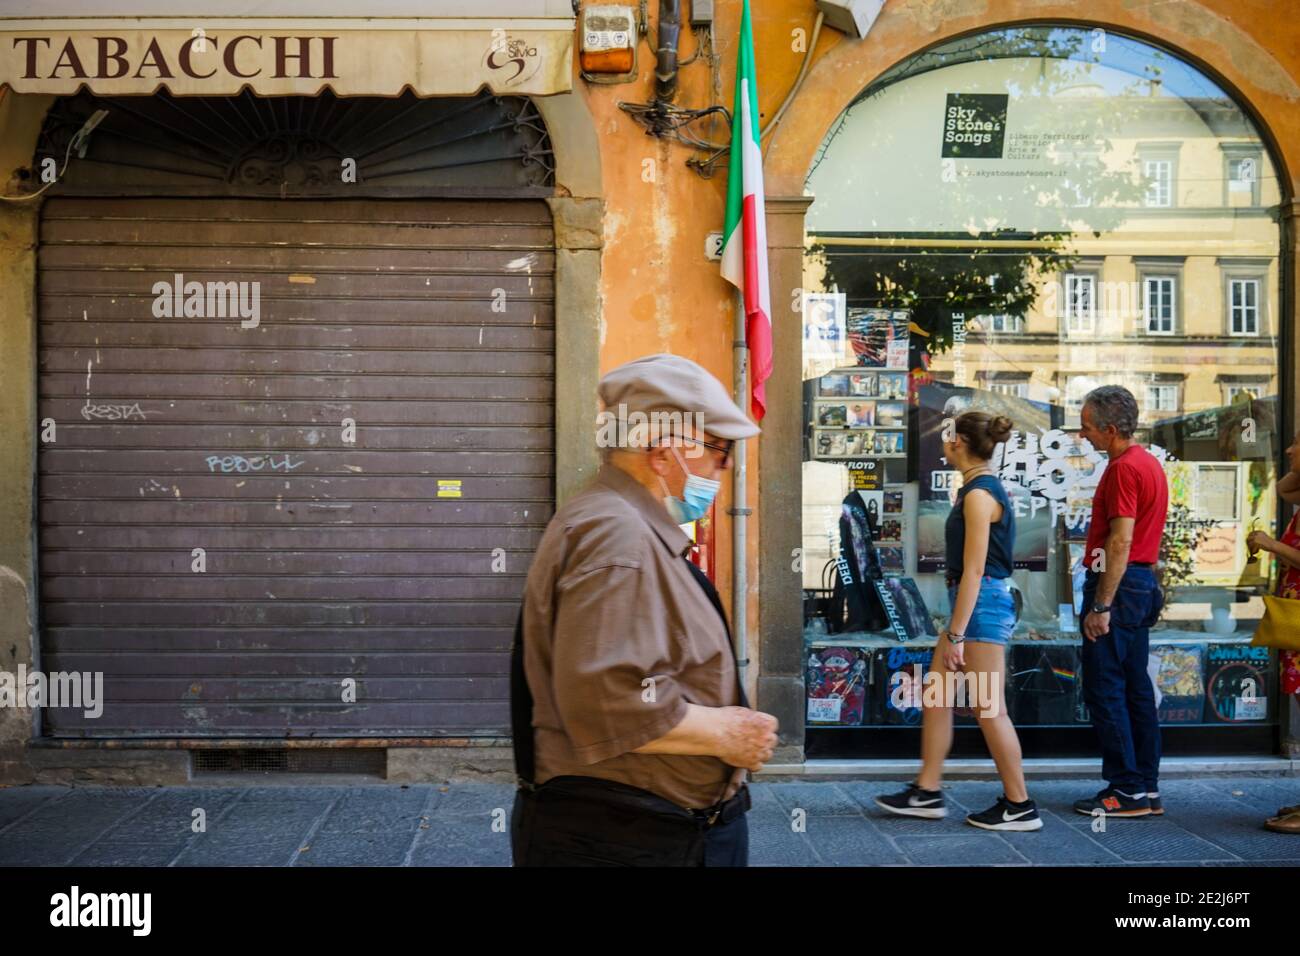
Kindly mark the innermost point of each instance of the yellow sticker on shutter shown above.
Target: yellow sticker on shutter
(448, 488)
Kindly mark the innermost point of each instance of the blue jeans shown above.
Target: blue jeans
(994, 617)
(1117, 687)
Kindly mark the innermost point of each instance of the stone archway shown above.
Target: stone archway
(1192, 31)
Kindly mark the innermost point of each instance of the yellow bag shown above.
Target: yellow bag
(1280, 627)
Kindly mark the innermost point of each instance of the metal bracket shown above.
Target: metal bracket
(740, 511)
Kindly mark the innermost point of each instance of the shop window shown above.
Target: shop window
(1049, 266)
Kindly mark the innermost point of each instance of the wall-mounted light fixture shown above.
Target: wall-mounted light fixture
(608, 49)
(854, 17)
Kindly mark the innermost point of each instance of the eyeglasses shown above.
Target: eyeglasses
(726, 449)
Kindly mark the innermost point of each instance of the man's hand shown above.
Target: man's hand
(747, 737)
(1095, 625)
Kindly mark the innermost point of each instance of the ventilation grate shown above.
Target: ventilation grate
(369, 760)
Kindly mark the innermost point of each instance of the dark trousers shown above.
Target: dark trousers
(570, 826)
(1117, 686)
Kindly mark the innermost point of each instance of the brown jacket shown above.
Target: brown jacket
(618, 638)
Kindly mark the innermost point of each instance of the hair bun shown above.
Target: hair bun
(1000, 428)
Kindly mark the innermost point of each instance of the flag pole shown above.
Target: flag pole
(739, 505)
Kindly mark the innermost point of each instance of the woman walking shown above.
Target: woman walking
(1287, 552)
(980, 539)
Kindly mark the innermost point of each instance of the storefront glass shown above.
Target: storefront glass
(1006, 222)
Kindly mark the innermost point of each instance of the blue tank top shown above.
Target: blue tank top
(1002, 533)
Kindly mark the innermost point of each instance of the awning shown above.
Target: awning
(447, 48)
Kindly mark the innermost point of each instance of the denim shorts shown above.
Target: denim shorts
(994, 617)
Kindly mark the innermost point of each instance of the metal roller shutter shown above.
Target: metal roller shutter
(429, 323)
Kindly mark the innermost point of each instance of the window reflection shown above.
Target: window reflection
(1007, 222)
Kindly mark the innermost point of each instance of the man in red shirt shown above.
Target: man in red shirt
(1121, 600)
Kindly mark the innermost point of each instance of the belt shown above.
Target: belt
(953, 582)
(725, 811)
(1148, 565)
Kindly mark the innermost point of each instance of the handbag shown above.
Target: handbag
(1280, 626)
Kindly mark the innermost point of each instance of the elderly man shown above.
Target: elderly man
(632, 732)
(1121, 600)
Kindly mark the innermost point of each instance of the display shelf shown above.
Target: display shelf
(860, 639)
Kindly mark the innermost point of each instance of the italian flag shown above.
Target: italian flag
(744, 238)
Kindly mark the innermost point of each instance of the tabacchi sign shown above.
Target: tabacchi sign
(302, 61)
(197, 56)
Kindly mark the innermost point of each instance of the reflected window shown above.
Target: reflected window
(1159, 304)
(1159, 175)
(1243, 306)
(1080, 296)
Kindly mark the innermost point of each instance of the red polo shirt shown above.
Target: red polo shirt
(1132, 486)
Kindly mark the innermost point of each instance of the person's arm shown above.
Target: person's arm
(1285, 553)
(614, 690)
(1119, 542)
(977, 510)
(736, 735)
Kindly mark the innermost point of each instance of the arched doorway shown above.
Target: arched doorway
(1005, 221)
(300, 354)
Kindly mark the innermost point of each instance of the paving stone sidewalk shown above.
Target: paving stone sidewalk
(1213, 822)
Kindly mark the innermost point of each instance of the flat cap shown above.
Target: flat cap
(671, 384)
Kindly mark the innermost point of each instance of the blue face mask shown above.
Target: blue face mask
(697, 495)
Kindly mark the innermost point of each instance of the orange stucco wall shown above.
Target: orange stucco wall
(659, 291)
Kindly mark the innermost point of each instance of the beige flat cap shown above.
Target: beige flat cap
(670, 383)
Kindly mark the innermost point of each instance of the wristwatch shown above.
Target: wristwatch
(1101, 609)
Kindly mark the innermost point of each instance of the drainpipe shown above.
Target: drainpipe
(670, 26)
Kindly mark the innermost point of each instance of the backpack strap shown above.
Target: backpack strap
(711, 593)
(521, 711)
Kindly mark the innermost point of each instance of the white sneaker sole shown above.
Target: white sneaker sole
(1023, 825)
(927, 813)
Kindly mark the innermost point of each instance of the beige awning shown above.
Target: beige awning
(484, 44)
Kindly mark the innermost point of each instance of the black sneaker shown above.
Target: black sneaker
(1005, 815)
(1157, 808)
(1114, 803)
(914, 802)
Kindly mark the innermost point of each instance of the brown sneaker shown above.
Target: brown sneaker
(1284, 824)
